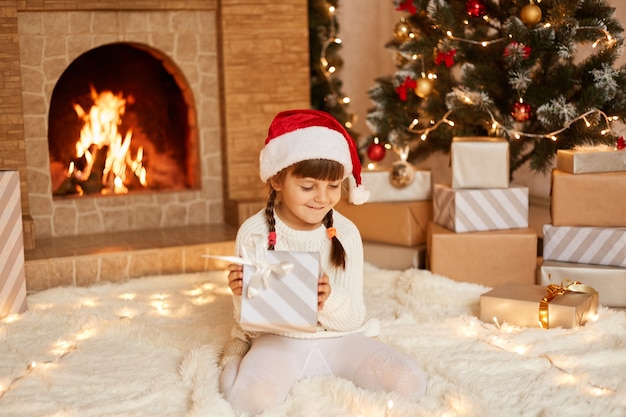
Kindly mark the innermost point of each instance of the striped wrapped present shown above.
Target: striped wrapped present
(12, 276)
(586, 245)
(475, 210)
(281, 294)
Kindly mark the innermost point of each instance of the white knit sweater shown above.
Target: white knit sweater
(344, 311)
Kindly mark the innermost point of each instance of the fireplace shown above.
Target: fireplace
(159, 69)
(119, 123)
(230, 92)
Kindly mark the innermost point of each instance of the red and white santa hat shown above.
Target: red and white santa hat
(298, 135)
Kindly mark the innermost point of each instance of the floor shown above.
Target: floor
(114, 257)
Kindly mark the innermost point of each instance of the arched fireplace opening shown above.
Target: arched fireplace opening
(122, 119)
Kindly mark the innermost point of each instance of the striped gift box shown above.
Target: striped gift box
(12, 277)
(586, 245)
(288, 303)
(476, 210)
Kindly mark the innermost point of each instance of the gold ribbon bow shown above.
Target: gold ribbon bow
(555, 290)
(257, 259)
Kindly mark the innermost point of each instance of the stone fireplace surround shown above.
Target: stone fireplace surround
(83, 241)
(49, 42)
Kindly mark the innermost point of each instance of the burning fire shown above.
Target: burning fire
(104, 161)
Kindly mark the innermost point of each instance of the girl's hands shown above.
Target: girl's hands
(323, 291)
(235, 278)
(235, 283)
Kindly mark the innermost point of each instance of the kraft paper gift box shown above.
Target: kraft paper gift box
(396, 223)
(609, 281)
(378, 182)
(576, 161)
(479, 162)
(284, 302)
(12, 275)
(489, 258)
(587, 245)
(588, 199)
(395, 257)
(471, 210)
(519, 305)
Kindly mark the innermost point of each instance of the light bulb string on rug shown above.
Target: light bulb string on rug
(521, 350)
(32, 366)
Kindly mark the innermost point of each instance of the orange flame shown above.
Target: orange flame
(100, 130)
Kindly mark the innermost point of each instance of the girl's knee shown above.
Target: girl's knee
(254, 395)
(390, 371)
(413, 384)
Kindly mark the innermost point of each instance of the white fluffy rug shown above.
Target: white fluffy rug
(150, 347)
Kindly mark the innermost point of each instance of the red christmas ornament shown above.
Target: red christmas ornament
(475, 8)
(401, 90)
(408, 6)
(446, 57)
(521, 111)
(621, 144)
(376, 152)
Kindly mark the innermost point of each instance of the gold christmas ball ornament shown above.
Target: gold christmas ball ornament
(531, 14)
(402, 30)
(402, 174)
(424, 87)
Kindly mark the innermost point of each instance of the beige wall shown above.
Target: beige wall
(365, 26)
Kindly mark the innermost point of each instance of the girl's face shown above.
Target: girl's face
(305, 201)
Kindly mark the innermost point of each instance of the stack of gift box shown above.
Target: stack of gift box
(480, 230)
(12, 277)
(586, 240)
(393, 222)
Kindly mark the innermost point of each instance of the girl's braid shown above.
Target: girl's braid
(337, 252)
(269, 216)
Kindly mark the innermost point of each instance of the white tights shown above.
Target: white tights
(264, 376)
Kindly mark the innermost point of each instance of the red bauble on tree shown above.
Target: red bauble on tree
(521, 111)
(475, 8)
(376, 152)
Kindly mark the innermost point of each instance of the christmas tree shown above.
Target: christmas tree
(326, 63)
(506, 68)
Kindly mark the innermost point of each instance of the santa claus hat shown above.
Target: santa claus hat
(298, 135)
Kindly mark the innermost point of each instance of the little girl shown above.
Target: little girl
(306, 156)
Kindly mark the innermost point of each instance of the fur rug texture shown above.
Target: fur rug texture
(151, 347)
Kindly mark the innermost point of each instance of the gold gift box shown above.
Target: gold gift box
(588, 199)
(519, 305)
(397, 223)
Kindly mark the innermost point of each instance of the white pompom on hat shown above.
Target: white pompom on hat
(298, 135)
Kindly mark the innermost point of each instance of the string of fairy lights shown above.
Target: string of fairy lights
(498, 336)
(329, 70)
(531, 14)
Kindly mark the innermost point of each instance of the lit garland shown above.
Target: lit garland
(329, 70)
(514, 133)
(496, 126)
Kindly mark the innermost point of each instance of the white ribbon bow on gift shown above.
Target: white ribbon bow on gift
(258, 259)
